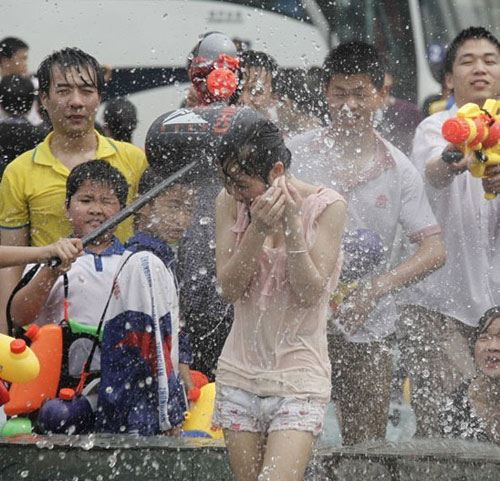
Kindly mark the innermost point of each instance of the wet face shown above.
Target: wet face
(352, 101)
(72, 101)
(288, 113)
(91, 205)
(476, 72)
(16, 65)
(243, 187)
(257, 90)
(170, 213)
(487, 350)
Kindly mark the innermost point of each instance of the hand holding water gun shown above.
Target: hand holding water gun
(476, 130)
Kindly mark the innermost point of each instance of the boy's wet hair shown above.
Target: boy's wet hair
(293, 83)
(10, 45)
(100, 172)
(259, 60)
(17, 94)
(471, 33)
(253, 145)
(67, 59)
(149, 179)
(353, 58)
(120, 116)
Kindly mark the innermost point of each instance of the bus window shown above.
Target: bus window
(384, 23)
(442, 20)
(290, 8)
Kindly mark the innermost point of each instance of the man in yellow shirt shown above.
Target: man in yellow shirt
(32, 190)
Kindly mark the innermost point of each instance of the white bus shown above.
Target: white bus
(147, 41)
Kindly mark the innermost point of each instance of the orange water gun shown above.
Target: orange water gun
(477, 130)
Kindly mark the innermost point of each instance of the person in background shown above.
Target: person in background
(438, 318)
(120, 119)
(14, 61)
(17, 133)
(206, 315)
(95, 192)
(294, 102)
(473, 410)
(33, 186)
(259, 72)
(400, 118)
(13, 57)
(159, 226)
(442, 101)
(383, 191)
(67, 250)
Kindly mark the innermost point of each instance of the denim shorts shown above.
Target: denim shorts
(240, 410)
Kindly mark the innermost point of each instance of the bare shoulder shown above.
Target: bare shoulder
(334, 214)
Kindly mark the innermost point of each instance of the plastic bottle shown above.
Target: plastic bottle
(17, 362)
(67, 414)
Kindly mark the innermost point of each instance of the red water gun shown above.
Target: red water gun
(477, 130)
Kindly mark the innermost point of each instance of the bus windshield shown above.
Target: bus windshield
(290, 8)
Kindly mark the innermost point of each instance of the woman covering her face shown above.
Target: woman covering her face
(278, 259)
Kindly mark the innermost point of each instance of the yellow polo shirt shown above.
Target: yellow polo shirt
(33, 189)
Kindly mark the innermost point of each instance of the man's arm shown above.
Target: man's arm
(440, 174)
(430, 256)
(9, 277)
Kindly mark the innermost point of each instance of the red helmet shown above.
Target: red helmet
(214, 68)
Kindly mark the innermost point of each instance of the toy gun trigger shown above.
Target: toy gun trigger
(452, 156)
(481, 157)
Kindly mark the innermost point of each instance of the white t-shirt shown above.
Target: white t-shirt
(90, 280)
(469, 283)
(389, 194)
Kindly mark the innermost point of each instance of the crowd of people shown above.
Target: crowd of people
(234, 268)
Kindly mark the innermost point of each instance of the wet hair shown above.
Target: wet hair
(354, 58)
(66, 59)
(487, 318)
(10, 45)
(98, 171)
(254, 144)
(120, 116)
(471, 33)
(293, 83)
(260, 60)
(149, 179)
(17, 94)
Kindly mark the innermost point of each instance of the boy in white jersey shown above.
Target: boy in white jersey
(95, 191)
(383, 190)
(440, 317)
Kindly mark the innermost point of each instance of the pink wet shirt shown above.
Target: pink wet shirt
(278, 347)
